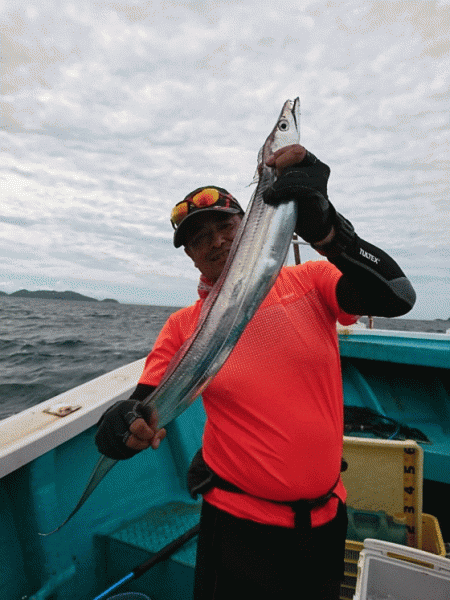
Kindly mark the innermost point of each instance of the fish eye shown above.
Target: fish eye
(283, 125)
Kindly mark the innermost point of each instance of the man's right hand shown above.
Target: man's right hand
(123, 431)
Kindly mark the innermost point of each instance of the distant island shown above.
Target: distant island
(53, 295)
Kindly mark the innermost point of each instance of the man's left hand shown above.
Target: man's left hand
(304, 178)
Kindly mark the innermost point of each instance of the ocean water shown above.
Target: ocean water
(48, 347)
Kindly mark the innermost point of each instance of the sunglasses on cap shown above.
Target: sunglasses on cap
(205, 198)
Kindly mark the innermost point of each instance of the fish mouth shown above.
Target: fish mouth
(295, 111)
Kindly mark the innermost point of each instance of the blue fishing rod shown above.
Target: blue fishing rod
(163, 554)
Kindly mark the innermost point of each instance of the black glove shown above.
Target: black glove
(113, 429)
(306, 183)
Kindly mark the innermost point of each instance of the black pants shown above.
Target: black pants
(239, 559)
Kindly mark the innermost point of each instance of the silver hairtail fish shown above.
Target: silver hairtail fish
(254, 262)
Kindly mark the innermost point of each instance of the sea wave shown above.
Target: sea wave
(48, 347)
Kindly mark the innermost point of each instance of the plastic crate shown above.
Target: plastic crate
(387, 476)
(387, 570)
(352, 552)
(432, 542)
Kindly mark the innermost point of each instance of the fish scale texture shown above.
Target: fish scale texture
(161, 526)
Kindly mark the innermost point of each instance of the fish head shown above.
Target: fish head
(287, 128)
(285, 133)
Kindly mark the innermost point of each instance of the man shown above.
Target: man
(273, 517)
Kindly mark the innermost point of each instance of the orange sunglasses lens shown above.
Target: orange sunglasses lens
(206, 197)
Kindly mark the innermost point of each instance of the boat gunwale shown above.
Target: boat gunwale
(32, 432)
(346, 332)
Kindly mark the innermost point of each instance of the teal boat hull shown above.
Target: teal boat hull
(84, 558)
(143, 503)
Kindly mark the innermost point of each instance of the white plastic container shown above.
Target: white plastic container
(389, 571)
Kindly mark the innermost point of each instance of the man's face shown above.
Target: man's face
(208, 241)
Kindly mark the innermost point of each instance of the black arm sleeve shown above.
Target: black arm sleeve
(142, 391)
(372, 283)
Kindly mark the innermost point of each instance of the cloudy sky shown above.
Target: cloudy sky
(112, 111)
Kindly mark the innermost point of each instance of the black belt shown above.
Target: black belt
(202, 479)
